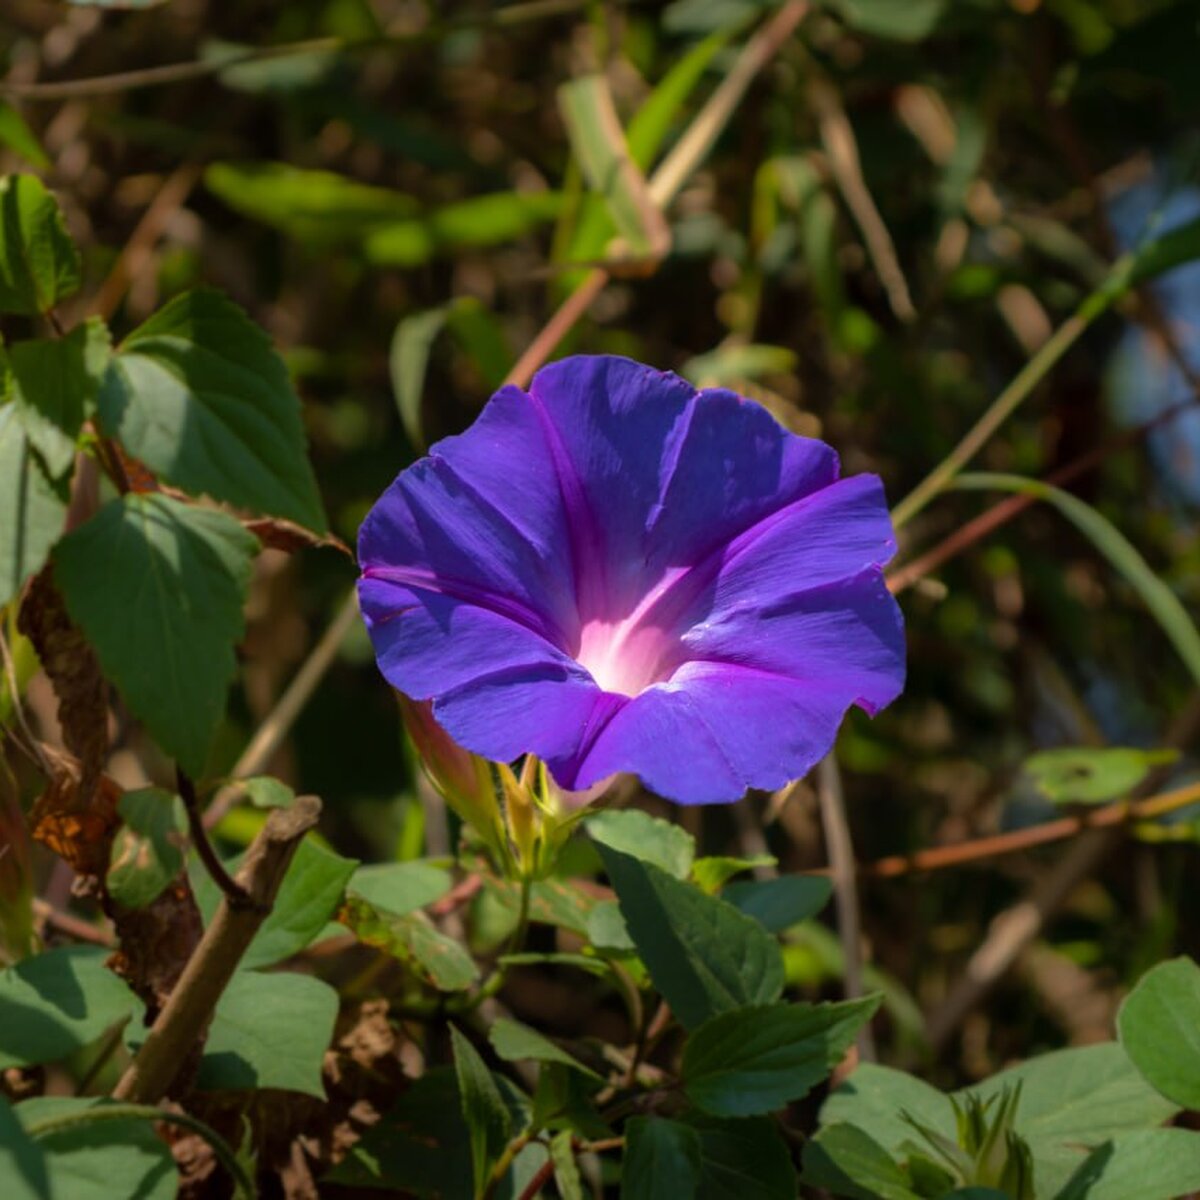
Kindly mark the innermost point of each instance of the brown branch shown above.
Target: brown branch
(1120, 813)
(135, 253)
(232, 891)
(1004, 510)
(185, 1017)
(840, 848)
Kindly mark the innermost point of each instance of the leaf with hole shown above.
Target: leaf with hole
(147, 851)
(1091, 774)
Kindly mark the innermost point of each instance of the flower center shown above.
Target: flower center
(625, 656)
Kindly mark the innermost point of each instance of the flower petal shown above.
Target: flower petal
(719, 729)
(610, 424)
(845, 637)
(733, 466)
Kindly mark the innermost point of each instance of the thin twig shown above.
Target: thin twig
(73, 926)
(837, 135)
(187, 1012)
(232, 891)
(840, 849)
(136, 251)
(1121, 813)
(1022, 385)
(670, 176)
(275, 729)
(1004, 510)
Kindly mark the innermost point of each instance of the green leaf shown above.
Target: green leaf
(32, 508)
(737, 363)
(53, 385)
(780, 903)
(103, 1160)
(411, 938)
(482, 1108)
(17, 136)
(165, 621)
(607, 931)
(650, 839)
(662, 1158)
(742, 1160)
(848, 1162)
(57, 1002)
(39, 263)
(1162, 602)
(1092, 775)
(416, 1146)
(265, 791)
(551, 902)
(646, 133)
(566, 1170)
(23, 1164)
(598, 141)
(754, 1060)
(201, 397)
(875, 1099)
(711, 874)
(306, 902)
(481, 221)
(1151, 1164)
(515, 1042)
(1073, 1099)
(269, 1031)
(1159, 1025)
(704, 956)
(473, 328)
(147, 852)
(909, 21)
(311, 206)
(400, 887)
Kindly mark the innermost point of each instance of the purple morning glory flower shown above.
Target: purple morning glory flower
(617, 572)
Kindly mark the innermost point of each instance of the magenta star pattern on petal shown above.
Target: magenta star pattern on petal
(617, 572)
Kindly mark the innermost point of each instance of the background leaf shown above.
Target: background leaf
(482, 1108)
(32, 507)
(661, 1158)
(39, 264)
(752, 1061)
(703, 955)
(1159, 1025)
(269, 1031)
(56, 1003)
(200, 396)
(648, 838)
(165, 624)
(97, 1162)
